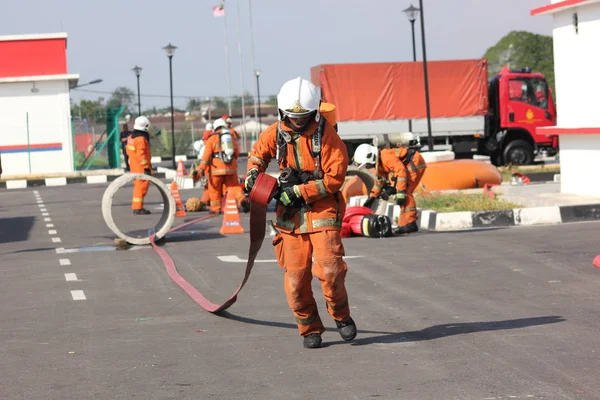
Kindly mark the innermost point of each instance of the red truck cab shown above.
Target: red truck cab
(519, 102)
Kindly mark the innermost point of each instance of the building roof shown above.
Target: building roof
(34, 36)
(562, 5)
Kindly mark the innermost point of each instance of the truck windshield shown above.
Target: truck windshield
(533, 91)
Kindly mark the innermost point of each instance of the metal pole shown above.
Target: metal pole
(241, 77)
(28, 143)
(139, 101)
(227, 63)
(172, 113)
(426, 76)
(258, 96)
(414, 46)
(254, 134)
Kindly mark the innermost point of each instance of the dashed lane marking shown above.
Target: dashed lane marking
(64, 261)
(78, 295)
(71, 277)
(56, 240)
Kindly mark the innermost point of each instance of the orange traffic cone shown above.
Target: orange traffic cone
(178, 204)
(181, 171)
(231, 216)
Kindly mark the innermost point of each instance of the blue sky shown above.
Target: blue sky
(107, 38)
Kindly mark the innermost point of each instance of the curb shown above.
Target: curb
(181, 157)
(63, 181)
(465, 220)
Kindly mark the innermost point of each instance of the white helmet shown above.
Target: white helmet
(228, 120)
(365, 154)
(219, 123)
(208, 127)
(198, 144)
(141, 124)
(298, 98)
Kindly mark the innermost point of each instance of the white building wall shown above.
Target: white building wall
(576, 66)
(579, 163)
(47, 115)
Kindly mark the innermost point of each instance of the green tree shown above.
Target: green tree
(220, 103)
(193, 104)
(521, 49)
(93, 110)
(236, 101)
(121, 96)
(272, 100)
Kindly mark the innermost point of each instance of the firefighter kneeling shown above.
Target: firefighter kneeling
(399, 171)
(313, 161)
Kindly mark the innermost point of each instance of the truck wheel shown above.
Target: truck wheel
(518, 152)
(367, 176)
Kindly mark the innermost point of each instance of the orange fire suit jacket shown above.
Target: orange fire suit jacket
(390, 168)
(138, 151)
(325, 205)
(211, 163)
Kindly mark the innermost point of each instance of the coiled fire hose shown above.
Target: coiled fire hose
(260, 196)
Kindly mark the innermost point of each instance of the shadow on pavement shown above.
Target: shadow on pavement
(446, 330)
(15, 229)
(33, 250)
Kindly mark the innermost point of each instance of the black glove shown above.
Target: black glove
(369, 202)
(289, 197)
(250, 180)
(401, 198)
(148, 171)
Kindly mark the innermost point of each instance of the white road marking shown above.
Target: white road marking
(41, 204)
(49, 225)
(554, 281)
(45, 214)
(52, 232)
(60, 250)
(40, 200)
(517, 270)
(71, 277)
(56, 240)
(35, 192)
(43, 210)
(78, 295)
(64, 261)
(47, 219)
(236, 259)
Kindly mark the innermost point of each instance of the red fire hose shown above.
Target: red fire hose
(260, 196)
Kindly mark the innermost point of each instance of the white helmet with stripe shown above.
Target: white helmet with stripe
(298, 98)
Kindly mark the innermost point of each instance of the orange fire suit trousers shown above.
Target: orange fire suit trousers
(140, 188)
(218, 186)
(294, 254)
(408, 212)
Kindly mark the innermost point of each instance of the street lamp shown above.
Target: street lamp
(412, 12)
(257, 73)
(426, 76)
(137, 71)
(170, 49)
(89, 83)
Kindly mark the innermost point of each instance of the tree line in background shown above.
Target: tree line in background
(518, 49)
(123, 96)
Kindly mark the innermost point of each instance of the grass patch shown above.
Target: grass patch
(454, 202)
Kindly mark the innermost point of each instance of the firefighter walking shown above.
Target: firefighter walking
(399, 171)
(219, 164)
(138, 151)
(309, 207)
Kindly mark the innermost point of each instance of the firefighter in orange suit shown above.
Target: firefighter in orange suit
(309, 207)
(399, 169)
(219, 163)
(138, 151)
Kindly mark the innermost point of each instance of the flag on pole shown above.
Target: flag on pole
(219, 11)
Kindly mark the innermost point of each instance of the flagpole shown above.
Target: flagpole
(241, 77)
(254, 134)
(227, 60)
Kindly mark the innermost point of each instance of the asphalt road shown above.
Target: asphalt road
(495, 314)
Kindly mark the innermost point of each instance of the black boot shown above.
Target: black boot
(347, 329)
(409, 228)
(141, 211)
(312, 341)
